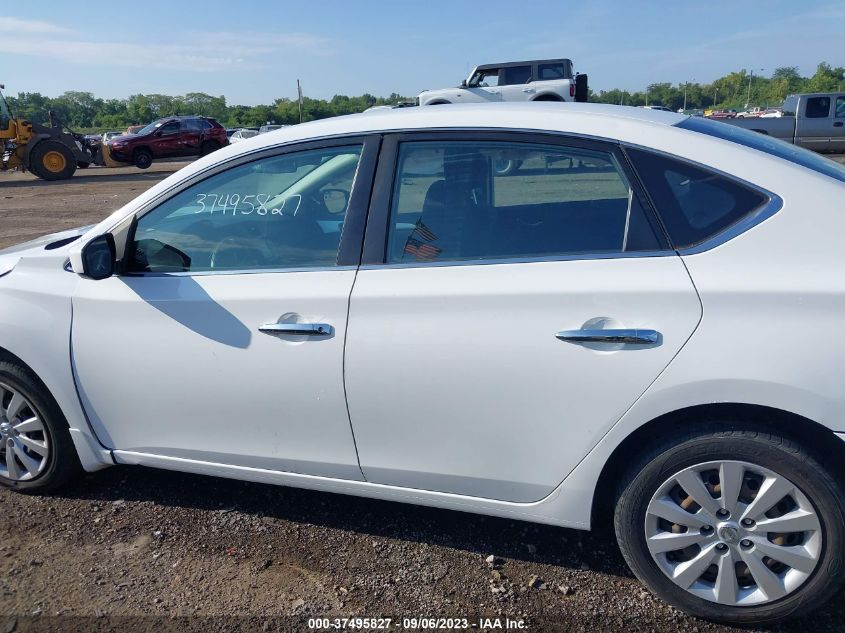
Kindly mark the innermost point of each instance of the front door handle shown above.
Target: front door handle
(837, 124)
(629, 337)
(300, 329)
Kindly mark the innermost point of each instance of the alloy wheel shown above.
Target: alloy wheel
(24, 443)
(733, 533)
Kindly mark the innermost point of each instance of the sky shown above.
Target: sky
(253, 51)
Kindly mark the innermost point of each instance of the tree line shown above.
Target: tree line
(85, 112)
(736, 90)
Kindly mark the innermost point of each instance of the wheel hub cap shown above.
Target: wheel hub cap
(733, 533)
(729, 534)
(24, 443)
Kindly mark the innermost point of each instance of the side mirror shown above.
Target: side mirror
(463, 83)
(98, 257)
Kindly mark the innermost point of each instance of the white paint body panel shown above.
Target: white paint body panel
(194, 378)
(770, 299)
(457, 383)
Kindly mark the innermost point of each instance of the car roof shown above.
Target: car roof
(523, 63)
(574, 118)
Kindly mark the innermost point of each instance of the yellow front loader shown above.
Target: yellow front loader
(51, 153)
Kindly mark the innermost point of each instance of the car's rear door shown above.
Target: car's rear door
(516, 83)
(223, 340)
(192, 136)
(510, 320)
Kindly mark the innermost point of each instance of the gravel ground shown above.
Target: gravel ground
(129, 549)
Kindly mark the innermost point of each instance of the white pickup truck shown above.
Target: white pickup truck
(536, 80)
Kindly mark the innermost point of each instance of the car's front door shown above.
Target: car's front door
(513, 318)
(815, 126)
(167, 140)
(483, 87)
(837, 133)
(223, 340)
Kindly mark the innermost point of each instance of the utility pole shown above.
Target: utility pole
(299, 92)
(750, 77)
(686, 85)
(715, 92)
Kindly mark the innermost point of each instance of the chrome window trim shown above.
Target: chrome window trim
(239, 271)
(763, 212)
(746, 223)
(743, 225)
(522, 260)
(358, 138)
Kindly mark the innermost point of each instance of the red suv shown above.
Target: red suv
(168, 137)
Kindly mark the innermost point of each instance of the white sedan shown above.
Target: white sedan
(636, 325)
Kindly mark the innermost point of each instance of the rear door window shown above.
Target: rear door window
(548, 72)
(695, 204)
(491, 200)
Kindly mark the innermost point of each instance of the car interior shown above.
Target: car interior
(460, 219)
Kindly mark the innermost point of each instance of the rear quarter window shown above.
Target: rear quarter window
(694, 204)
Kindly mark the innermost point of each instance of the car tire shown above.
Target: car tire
(52, 160)
(38, 422)
(753, 453)
(142, 158)
(209, 146)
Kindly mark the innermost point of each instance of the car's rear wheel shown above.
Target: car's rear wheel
(734, 526)
(36, 451)
(142, 158)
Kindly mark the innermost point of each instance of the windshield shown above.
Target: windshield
(152, 127)
(767, 144)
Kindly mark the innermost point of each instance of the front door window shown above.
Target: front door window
(279, 212)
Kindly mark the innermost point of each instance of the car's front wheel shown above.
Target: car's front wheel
(734, 526)
(36, 451)
(142, 158)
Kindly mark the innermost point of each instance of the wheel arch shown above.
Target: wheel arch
(547, 96)
(827, 447)
(91, 454)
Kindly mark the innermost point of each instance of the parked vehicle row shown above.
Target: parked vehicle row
(602, 340)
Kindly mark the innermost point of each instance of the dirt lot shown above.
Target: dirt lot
(131, 549)
(30, 207)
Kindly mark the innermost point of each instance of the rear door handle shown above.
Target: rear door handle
(837, 124)
(629, 337)
(300, 329)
